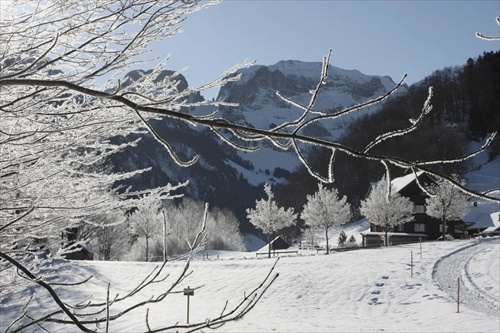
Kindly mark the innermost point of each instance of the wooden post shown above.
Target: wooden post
(411, 264)
(420, 240)
(458, 295)
(188, 292)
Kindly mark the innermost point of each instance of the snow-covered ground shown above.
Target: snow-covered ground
(366, 290)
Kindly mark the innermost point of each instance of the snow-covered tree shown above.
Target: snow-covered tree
(446, 202)
(111, 240)
(61, 101)
(185, 218)
(386, 208)
(270, 218)
(325, 210)
(145, 224)
(223, 232)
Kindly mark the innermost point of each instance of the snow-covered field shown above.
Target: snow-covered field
(366, 290)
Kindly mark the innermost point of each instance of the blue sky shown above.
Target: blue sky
(375, 37)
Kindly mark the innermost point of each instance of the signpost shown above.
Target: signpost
(188, 292)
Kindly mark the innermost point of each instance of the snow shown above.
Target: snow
(487, 173)
(266, 158)
(400, 183)
(483, 213)
(365, 290)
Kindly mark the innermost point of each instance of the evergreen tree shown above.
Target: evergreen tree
(342, 239)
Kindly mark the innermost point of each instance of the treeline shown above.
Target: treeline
(466, 106)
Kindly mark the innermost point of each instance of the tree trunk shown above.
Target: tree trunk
(269, 246)
(164, 236)
(147, 248)
(443, 221)
(386, 230)
(327, 245)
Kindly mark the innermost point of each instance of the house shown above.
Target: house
(423, 227)
(279, 243)
(75, 250)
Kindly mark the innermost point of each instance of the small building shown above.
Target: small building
(82, 251)
(279, 243)
(75, 250)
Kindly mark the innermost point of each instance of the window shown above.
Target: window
(418, 209)
(399, 228)
(419, 227)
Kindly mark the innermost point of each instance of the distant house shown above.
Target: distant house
(76, 250)
(279, 244)
(423, 227)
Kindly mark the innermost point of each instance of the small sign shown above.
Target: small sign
(188, 292)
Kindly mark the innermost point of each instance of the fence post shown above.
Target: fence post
(411, 264)
(458, 295)
(420, 240)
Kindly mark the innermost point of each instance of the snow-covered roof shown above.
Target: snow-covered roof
(87, 247)
(484, 214)
(397, 184)
(491, 229)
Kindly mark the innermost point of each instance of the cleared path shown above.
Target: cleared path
(478, 267)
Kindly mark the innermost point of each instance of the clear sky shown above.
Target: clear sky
(375, 37)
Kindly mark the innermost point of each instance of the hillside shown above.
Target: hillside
(366, 290)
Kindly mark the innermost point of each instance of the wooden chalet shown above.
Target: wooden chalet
(423, 227)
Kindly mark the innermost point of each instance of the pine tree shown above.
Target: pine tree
(342, 239)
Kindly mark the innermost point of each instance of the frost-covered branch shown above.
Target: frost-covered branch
(489, 38)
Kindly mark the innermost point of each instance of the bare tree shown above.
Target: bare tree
(386, 208)
(184, 218)
(446, 202)
(270, 218)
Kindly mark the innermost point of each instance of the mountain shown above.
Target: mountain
(229, 178)
(260, 107)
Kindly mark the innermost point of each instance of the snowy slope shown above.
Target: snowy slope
(367, 290)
